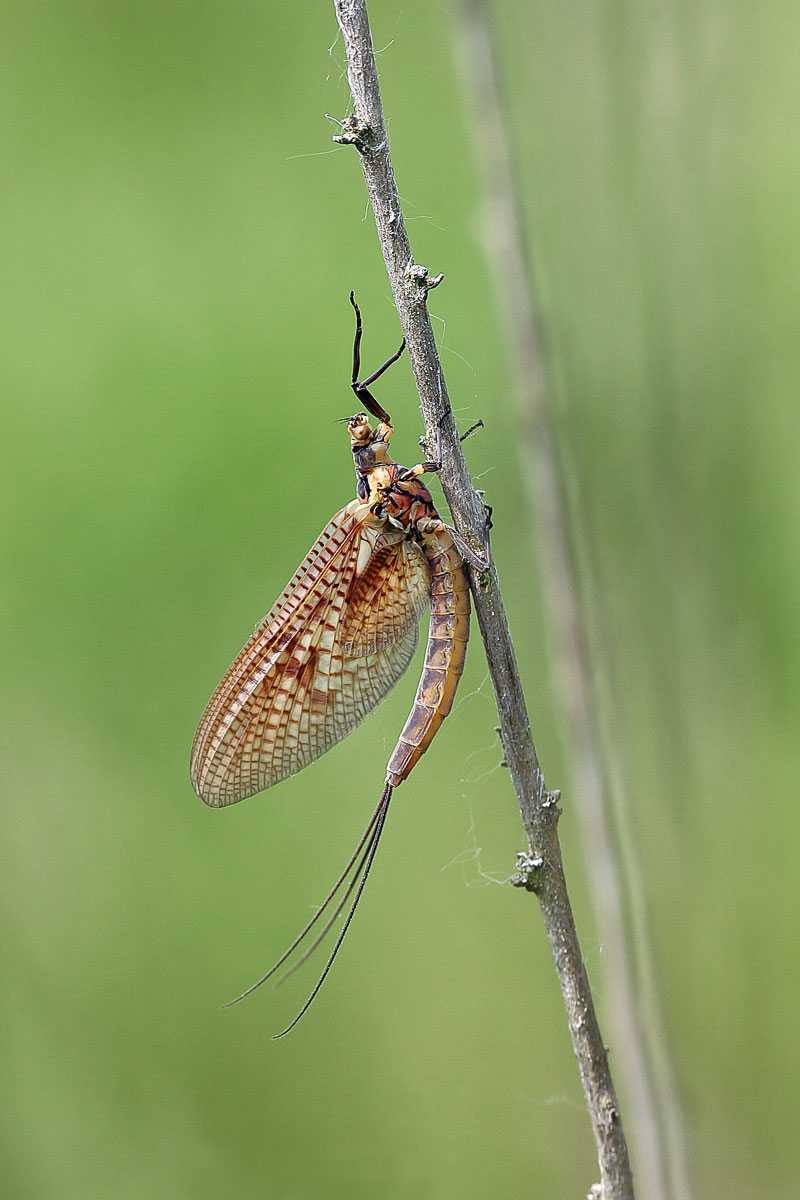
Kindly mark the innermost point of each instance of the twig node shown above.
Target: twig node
(528, 868)
(354, 133)
(418, 275)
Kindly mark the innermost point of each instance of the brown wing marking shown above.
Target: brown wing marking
(387, 598)
(336, 542)
(293, 692)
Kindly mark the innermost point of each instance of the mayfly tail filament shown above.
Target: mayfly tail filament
(372, 846)
(353, 876)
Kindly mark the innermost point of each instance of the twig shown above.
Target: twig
(655, 1125)
(541, 867)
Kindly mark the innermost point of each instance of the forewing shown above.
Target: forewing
(331, 553)
(293, 691)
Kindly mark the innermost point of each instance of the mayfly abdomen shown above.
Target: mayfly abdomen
(444, 656)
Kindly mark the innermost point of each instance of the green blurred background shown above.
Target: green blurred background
(178, 240)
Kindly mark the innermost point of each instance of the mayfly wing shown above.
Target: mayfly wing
(388, 596)
(337, 640)
(336, 539)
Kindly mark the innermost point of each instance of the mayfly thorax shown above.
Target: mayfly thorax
(335, 642)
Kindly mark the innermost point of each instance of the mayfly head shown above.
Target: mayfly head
(360, 430)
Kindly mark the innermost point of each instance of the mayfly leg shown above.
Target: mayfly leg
(361, 387)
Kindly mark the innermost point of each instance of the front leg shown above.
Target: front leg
(383, 432)
(479, 562)
(428, 465)
(409, 473)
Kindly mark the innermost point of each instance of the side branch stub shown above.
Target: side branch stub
(417, 274)
(354, 133)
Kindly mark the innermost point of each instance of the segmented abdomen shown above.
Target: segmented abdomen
(444, 657)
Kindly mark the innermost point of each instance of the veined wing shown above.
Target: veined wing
(386, 598)
(294, 691)
(334, 543)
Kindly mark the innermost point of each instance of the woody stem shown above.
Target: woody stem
(544, 872)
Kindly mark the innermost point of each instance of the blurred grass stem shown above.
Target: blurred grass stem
(543, 873)
(656, 1123)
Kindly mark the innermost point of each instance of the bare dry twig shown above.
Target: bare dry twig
(540, 870)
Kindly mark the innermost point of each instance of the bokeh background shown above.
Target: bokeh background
(178, 238)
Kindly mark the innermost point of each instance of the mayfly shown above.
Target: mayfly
(335, 642)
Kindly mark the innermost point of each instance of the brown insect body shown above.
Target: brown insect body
(403, 500)
(447, 635)
(273, 713)
(336, 641)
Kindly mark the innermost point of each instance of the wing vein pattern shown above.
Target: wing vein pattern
(338, 638)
